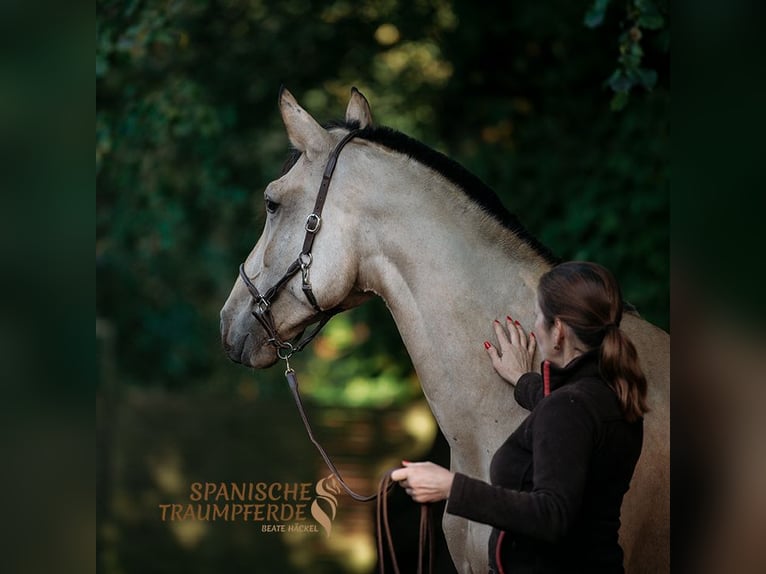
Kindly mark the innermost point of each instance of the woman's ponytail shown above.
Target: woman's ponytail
(620, 368)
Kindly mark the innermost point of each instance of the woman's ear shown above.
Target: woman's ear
(558, 331)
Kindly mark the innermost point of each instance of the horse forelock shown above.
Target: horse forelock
(473, 187)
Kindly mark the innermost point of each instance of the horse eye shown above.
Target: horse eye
(271, 206)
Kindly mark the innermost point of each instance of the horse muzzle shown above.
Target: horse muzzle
(247, 346)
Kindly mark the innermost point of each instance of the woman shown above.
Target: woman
(559, 479)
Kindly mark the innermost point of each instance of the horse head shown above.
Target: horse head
(278, 266)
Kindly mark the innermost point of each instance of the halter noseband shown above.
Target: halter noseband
(262, 303)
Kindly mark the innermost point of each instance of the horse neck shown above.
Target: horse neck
(446, 270)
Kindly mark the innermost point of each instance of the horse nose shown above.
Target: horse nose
(224, 329)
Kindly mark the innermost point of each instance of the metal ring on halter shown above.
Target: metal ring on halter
(313, 222)
(285, 350)
(309, 259)
(263, 304)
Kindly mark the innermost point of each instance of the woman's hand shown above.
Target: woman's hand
(517, 351)
(424, 481)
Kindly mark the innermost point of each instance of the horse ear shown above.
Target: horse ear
(305, 134)
(358, 109)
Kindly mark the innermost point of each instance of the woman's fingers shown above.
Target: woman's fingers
(516, 336)
(493, 356)
(516, 350)
(522, 334)
(399, 474)
(512, 330)
(424, 482)
(502, 338)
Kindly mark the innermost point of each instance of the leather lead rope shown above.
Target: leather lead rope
(425, 535)
(383, 535)
(292, 381)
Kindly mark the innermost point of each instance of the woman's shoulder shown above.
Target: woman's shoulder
(592, 394)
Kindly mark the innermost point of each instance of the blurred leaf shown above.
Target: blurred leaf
(620, 82)
(594, 17)
(649, 15)
(648, 78)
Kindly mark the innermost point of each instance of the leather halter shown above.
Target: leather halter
(262, 303)
(285, 349)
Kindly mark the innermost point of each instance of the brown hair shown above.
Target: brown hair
(587, 297)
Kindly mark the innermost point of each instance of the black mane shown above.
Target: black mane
(476, 189)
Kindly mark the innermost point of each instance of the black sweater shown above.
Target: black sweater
(559, 479)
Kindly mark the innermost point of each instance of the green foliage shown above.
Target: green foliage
(640, 15)
(347, 368)
(188, 134)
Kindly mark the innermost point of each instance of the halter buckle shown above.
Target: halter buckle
(263, 305)
(313, 223)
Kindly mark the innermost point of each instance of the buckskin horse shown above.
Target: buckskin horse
(405, 223)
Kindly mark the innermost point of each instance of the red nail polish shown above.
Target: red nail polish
(496, 321)
(487, 345)
(532, 335)
(516, 323)
(509, 318)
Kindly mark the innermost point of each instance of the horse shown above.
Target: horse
(403, 222)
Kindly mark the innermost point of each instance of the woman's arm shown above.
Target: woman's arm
(529, 390)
